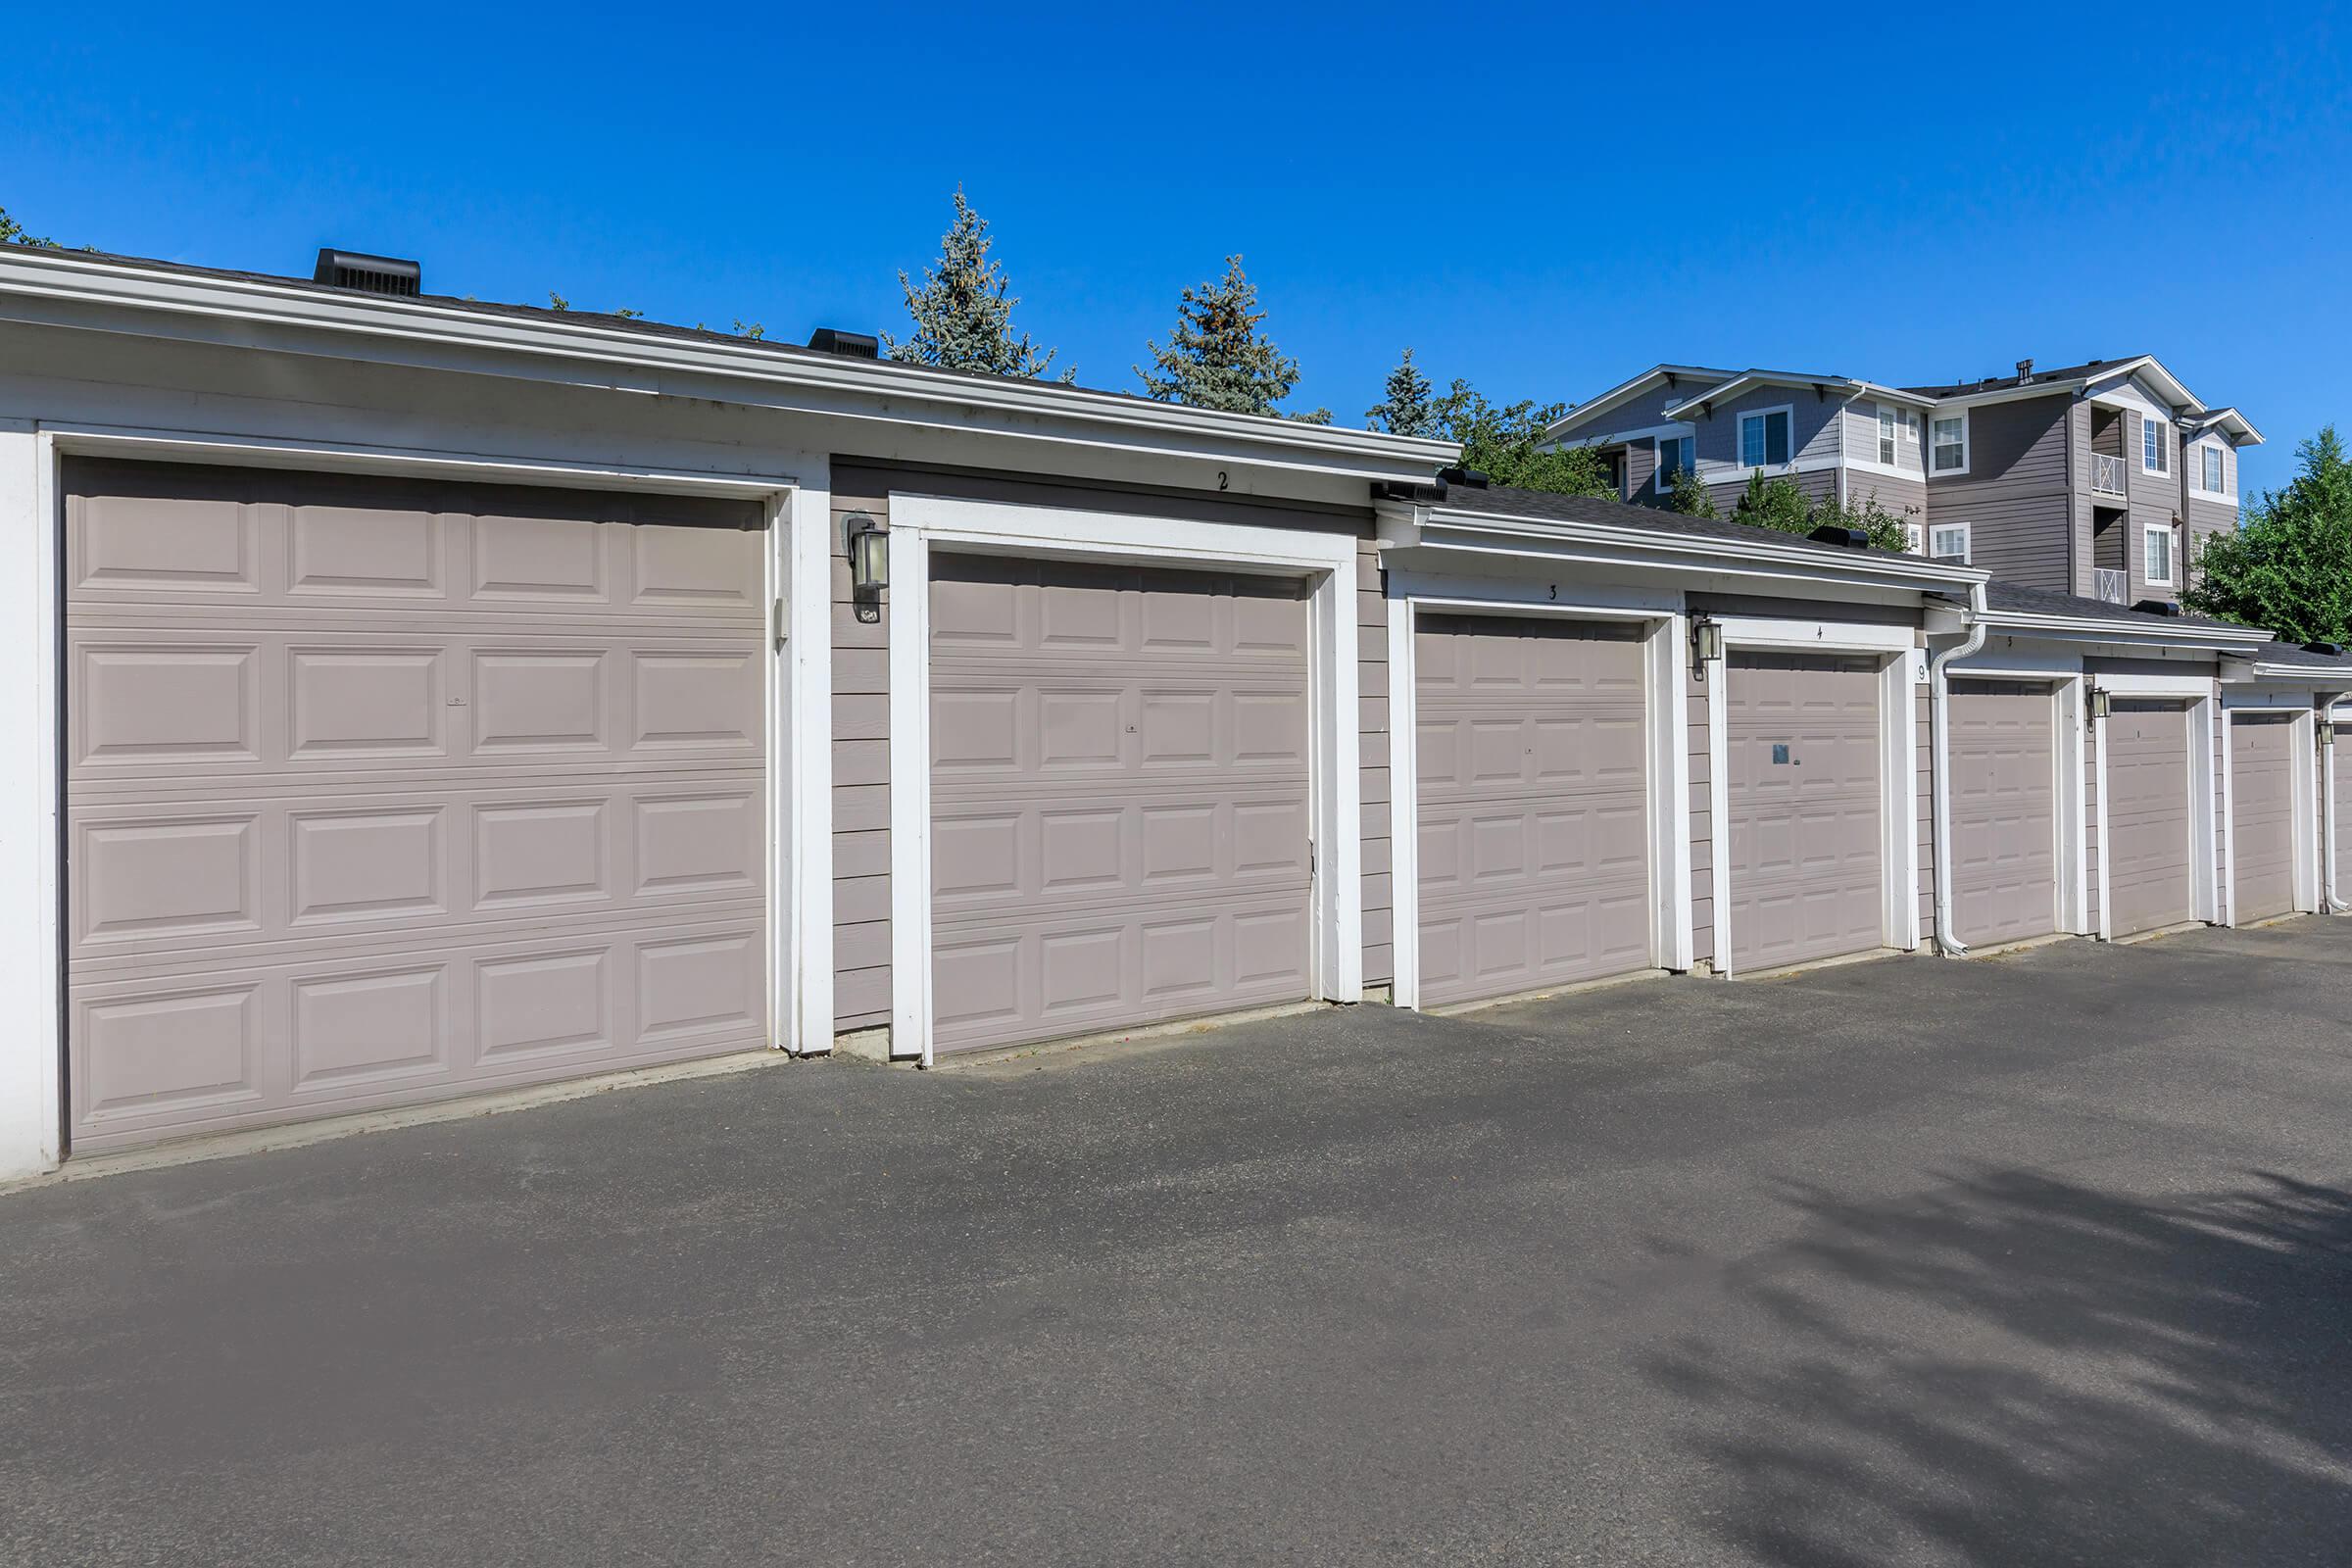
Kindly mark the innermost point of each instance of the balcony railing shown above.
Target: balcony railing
(2106, 474)
(2108, 585)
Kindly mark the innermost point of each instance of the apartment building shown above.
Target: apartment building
(2100, 480)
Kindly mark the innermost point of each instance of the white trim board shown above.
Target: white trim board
(1668, 760)
(919, 522)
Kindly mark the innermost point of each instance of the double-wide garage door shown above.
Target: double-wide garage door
(378, 792)
(1807, 869)
(2004, 803)
(2150, 849)
(2262, 793)
(1534, 843)
(1120, 797)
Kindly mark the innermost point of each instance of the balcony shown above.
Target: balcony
(2106, 474)
(2108, 585)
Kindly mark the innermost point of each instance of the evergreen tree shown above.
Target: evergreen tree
(1217, 357)
(1502, 444)
(2288, 566)
(962, 312)
(1409, 409)
(1692, 496)
(1886, 530)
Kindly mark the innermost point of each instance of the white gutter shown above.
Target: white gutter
(1939, 784)
(1876, 566)
(31, 279)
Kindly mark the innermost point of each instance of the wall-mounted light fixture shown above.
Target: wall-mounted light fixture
(2327, 732)
(1706, 640)
(867, 544)
(2100, 702)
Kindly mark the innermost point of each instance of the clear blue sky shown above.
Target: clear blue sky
(1543, 201)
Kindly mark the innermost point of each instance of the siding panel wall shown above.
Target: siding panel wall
(2014, 497)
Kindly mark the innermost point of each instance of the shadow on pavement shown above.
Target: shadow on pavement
(2014, 1369)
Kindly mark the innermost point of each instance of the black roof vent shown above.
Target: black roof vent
(850, 345)
(1847, 538)
(2331, 650)
(2157, 607)
(1467, 478)
(370, 274)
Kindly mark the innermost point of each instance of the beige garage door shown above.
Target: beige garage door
(2147, 814)
(1533, 802)
(2262, 803)
(1119, 778)
(381, 792)
(1808, 877)
(2004, 791)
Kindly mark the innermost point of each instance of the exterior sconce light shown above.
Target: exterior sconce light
(2100, 702)
(1706, 640)
(869, 546)
(2327, 732)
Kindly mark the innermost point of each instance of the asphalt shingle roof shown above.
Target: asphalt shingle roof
(2041, 602)
(1543, 506)
(2063, 372)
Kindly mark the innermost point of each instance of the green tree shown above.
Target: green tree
(1693, 497)
(2288, 566)
(1409, 409)
(1779, 504)
(1217, 358)
(1885, 529)
(12, 233)
(1502, 444)
(963, 311)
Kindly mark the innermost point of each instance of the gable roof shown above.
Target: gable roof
(1667, 375)
(1747, 379)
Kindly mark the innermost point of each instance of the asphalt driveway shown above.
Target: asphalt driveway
(2040, 1259)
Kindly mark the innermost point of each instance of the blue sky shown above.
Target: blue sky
(1542, 201)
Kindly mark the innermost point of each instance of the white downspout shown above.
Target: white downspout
(1940, 785)
(2330, 900)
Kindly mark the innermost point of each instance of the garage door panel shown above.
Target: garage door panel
(480, 844)
(1803, 788)
(2262, 814)
(2148, 822)
(2004, 805)
(1533, 865)
(1120, 797)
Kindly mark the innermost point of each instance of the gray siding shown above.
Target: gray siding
(861, 706)
(1815, 483)
(1906, 498)
(1862, 438)
(2205, 519)
(2155, 500)
(1812, 424)
(2014, 497)
(1640, 467)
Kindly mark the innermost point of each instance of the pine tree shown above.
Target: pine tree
(2288, 566)
(962, 313)
(1692, 496)
(1216, 358)
(1409, 409)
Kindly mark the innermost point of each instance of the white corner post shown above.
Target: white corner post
(32, 1084)
(1405, 803)
(803, 783)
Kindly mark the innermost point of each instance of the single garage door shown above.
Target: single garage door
(380, 791)
(1119, 788)
(1807, 875)
(2262, 796)
(2004, 793)
(2147, 814)
(1533, 802)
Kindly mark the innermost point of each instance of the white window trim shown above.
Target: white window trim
(1740, 439)
(1665, 664)
(918, 523)
(1898, 767)
(1966, 445)
(2146, 422)
(1968, 541)
(2171, 555)
(1657, 473)
(2196, 473)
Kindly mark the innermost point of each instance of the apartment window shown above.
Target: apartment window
(1764, 439)
(1915, 539)
(2155, 445)
(1948, 436)
(2216, 477)
(1887, 429)
(1675, 456)
(1948, 541)
(2156, 556)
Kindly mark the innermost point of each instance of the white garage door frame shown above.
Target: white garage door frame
(920, 523)
(2303, 772)
(2070, 689)
(33, 1100)
(1902, 673)
(2339, 865)
(2204, 860)
(1664, 660)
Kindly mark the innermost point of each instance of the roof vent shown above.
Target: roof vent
(370, 274)
(850, 345)
(1844, 538)
(1467, 478)
(2331, 650)
(2157, 607)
